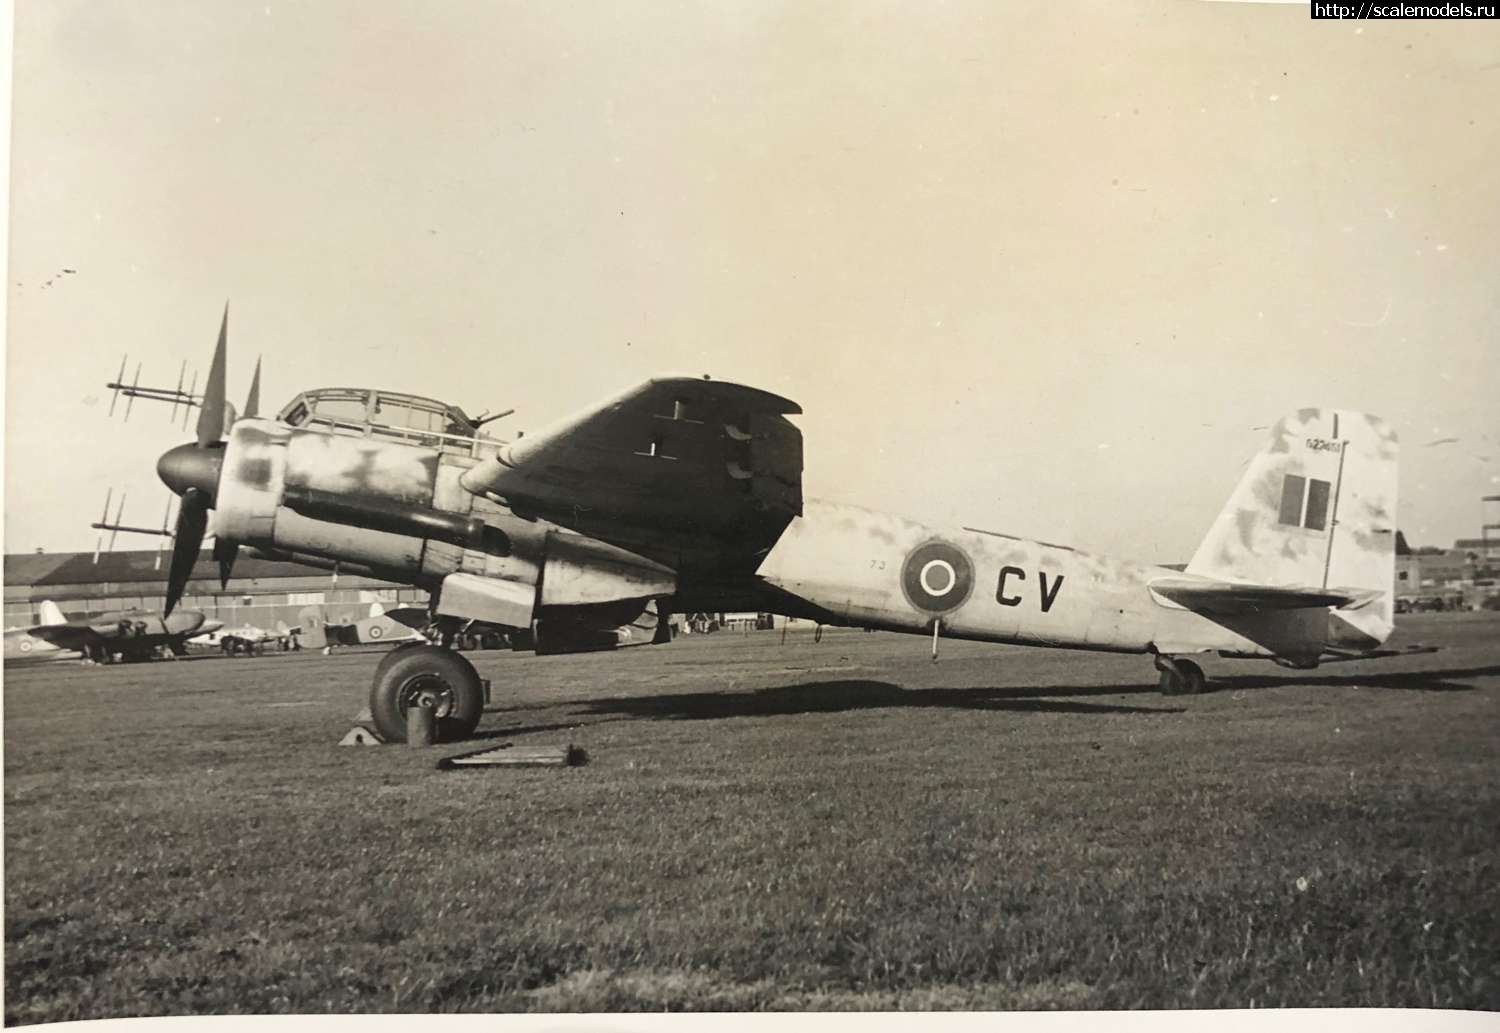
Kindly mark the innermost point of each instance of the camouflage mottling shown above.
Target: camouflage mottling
(249, 491)
(849, 562)
(361, 466)
(1357, 547)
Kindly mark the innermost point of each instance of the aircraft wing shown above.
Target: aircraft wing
(673, 457)
(1224, 597)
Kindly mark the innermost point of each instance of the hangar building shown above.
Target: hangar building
(261, 592)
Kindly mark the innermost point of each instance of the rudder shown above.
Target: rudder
(1316, 509)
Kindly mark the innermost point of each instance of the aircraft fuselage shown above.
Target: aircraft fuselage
(873, 569)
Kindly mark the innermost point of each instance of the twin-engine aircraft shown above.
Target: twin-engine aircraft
(128, 635)
(684, 495)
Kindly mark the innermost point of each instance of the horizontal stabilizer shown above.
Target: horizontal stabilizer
(1376, 654)
(1224, 597)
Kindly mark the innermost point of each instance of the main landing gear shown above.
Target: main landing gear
(426, 676)
(1179, 677)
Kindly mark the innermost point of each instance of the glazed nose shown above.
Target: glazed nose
(189, 466)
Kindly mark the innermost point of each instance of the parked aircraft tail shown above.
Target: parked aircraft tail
(1316, 510)
(314, 632)
(51, 613)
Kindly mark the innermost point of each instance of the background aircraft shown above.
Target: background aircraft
(248, 639)
(685, 495)
(381, 627)
(120, 634)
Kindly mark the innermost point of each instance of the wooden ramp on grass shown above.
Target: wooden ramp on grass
(512, 756)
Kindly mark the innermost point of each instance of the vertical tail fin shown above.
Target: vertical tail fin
(1316, 509)
(51, 613)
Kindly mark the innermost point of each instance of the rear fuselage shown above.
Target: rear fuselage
(861, 567)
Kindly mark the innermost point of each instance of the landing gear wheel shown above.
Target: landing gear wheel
(394, 654)
(1181, 678)
(427, 676)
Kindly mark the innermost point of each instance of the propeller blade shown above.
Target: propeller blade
(211, 417)
(252, 400)
(192, 521)
(224, 554)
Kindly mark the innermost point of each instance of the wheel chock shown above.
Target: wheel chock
(359, 735)
(512, 756)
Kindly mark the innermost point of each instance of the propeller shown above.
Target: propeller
(192, 471)
(192, 522)
(224, 554)
(211, 415)
(252, 400)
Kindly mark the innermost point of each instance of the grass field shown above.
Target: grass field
(841, 825)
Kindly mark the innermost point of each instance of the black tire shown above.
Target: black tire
(1193, 680)
(1185, 680)
(393, 653)
(448, 680)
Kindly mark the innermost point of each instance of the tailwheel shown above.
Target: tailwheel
(1180, 677)
(426, 676)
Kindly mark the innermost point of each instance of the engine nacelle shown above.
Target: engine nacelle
(386, 506)
(398, 512)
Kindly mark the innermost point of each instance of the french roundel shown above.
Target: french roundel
(937, 577)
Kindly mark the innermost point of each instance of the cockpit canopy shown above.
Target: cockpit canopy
(364, 412)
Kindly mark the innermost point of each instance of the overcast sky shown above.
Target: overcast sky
(1046, 269)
